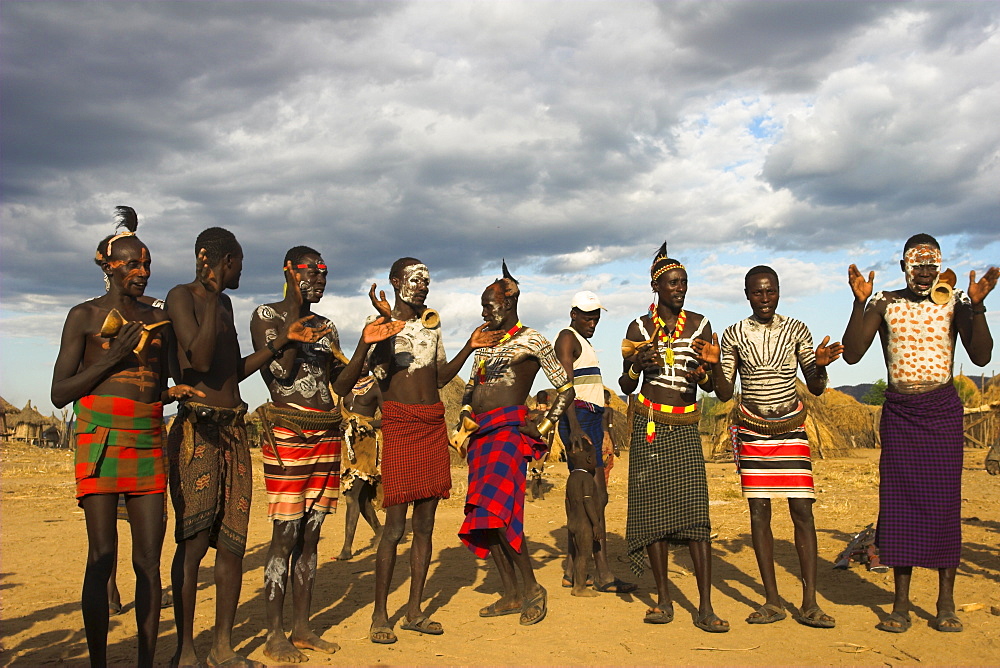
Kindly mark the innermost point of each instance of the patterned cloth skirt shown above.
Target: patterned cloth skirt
(667, 489)
(774, 466)
(920, 494)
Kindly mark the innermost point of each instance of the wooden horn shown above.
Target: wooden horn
(430, 319)
(461, 435)
(945, 286)
(630, 347)
(113, 324)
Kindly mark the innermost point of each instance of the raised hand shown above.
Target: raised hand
(381, 329)
(299, 331)
(828, 354)
(178, 392)
(482, 338)
(646, 358)
(206, 275)
(979, 289)
(708, 352)
(380, 303)
(861, 288)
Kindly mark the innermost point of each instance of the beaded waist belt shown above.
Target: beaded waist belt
(666, 408)
(772, 427)
(667, 415)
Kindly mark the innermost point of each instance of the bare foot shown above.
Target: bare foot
(278, 648)
(583, 591)
(234, 660)
(188, 659)
(345, 555)
(309, 640)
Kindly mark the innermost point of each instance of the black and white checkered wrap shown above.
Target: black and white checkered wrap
(667, 489)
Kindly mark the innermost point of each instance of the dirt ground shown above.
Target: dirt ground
(43, 545)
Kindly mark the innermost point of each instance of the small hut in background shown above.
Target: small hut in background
(7, 413)
(28, 425)
(835, 424)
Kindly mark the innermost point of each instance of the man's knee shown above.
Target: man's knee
(760, 510)
(801, 511)
(393, 531)
(423, 527)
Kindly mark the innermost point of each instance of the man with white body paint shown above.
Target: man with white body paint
(416, 464)
(301, 448)
(920, 492)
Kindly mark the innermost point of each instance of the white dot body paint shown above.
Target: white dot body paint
(415, 278)
(920, 348)
(274, 576)
(921, 256)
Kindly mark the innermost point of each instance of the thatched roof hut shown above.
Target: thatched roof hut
(7, 413)
(835, 424)
(28, 424)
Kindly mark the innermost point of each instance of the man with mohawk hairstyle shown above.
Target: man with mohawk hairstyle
(416, 466)
(112, 365)
(503, 442)
(667, 488)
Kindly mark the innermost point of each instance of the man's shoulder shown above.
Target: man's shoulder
(533, 337)
(268, 312)
(567, 337)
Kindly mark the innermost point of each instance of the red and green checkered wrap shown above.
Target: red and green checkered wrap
(118, 446)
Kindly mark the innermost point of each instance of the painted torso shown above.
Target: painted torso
(309, 382)
(767, 357)
(919, 340)
(668, 385)
(509, 369)
(406, 364)
(131, 378)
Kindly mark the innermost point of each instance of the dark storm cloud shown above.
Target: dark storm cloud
(466, 132)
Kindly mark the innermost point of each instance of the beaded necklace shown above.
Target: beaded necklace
(668, 340)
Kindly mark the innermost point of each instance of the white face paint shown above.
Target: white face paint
(415, 281)
(918, 263)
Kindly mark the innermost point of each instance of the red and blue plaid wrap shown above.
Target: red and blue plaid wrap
(498, 460)
(920, 493)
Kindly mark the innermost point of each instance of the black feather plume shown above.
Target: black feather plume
(126, 217)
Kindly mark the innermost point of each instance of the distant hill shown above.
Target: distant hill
(856, 391)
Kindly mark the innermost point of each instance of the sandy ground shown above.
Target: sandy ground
(44, 544)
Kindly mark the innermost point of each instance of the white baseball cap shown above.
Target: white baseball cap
(586, 300)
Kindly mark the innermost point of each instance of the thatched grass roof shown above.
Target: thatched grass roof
(28, 415)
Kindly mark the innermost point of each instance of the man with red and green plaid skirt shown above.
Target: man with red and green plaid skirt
(112, 366)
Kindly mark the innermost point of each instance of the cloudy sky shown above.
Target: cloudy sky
(571, 138)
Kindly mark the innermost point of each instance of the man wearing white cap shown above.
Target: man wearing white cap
(583, 422)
